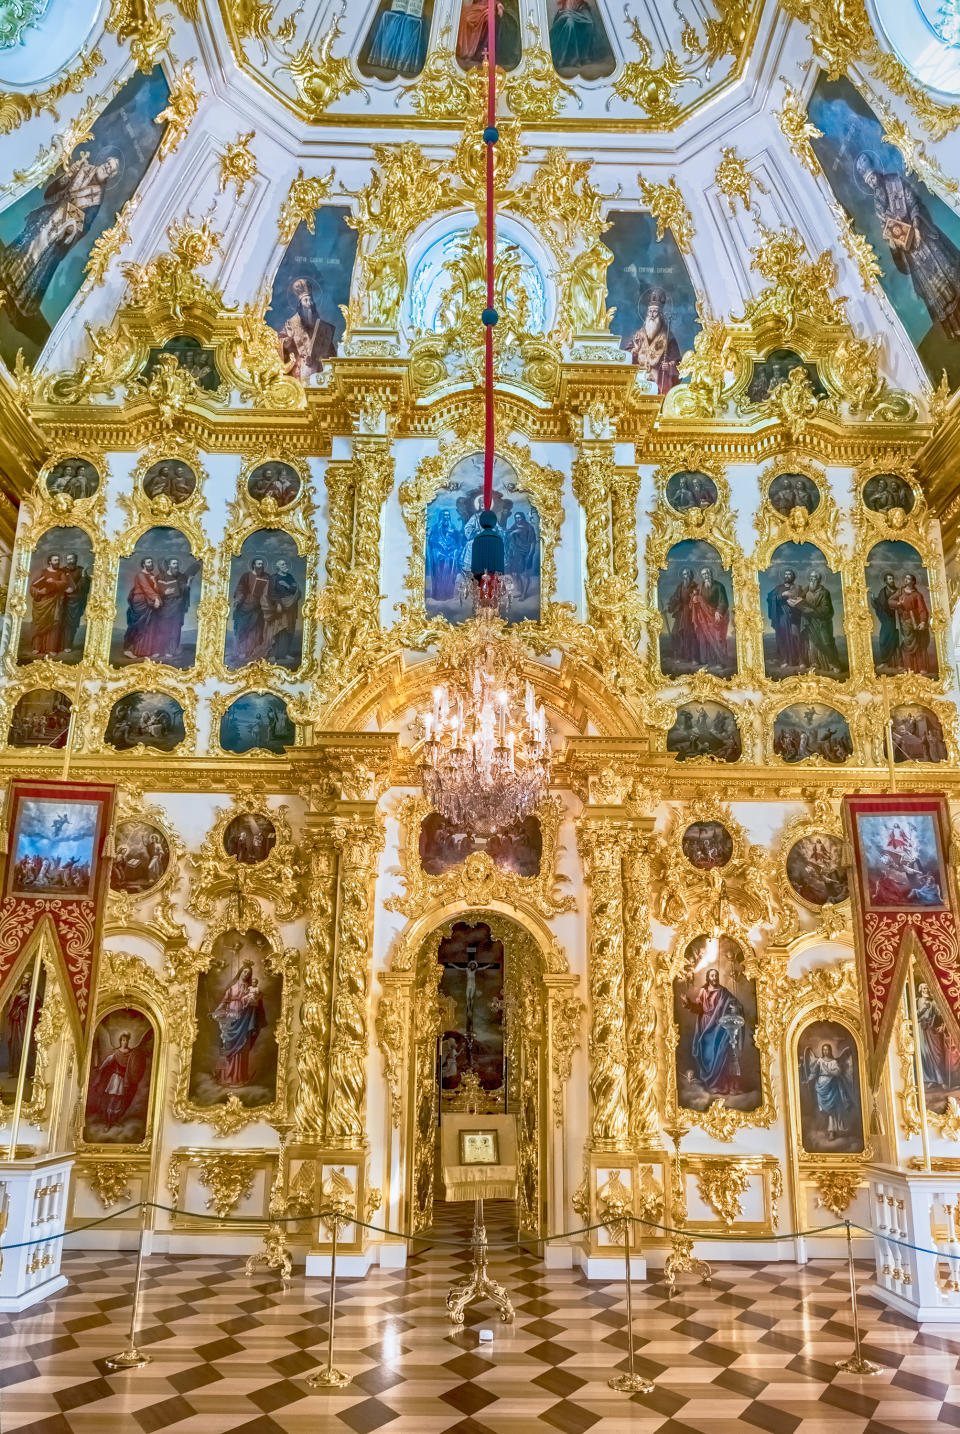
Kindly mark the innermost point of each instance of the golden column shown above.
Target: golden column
(639, 981)
(593, 475)
(624, 492)
(601, 837)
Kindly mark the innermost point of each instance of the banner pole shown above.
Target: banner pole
(918, 1061)
(71, 730)
(888, 726)
(25, 1055)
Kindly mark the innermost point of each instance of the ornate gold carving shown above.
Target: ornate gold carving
(706, 366)
(137, 21)
(836, 1189)
(561, 201)
(109, 1180)
(131, 805)
(321, 77)
(238, 164)
(304, 198)
(108, 244)
(734, 179)
(667, 206)
(600, 849)
(534, 91)
(183, 102)
(650, 87)
(479, 880)
(171, 280)
(915, 158)
(859, 248)
(229, 1178)
(821, 818)
(16, 106)
(251, 20)
(390, 1024)
(736, 897)
(722, 1185)
(276, 878)
(567, 1014)
(798, 130)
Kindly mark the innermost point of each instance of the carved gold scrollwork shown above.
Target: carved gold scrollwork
(722, 1185)
(275, 878)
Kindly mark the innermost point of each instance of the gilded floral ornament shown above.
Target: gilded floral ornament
(108, 244)
(304, 198)
(110, 362)
(137, 21)
(238, 164)
(860, 250)
(183, 102)
(58, 152)
(797, 285)
(650, 87)
(258, 370)
(798, 130)
(321, 77)
(252, 21)
(170, 281)
(561, 198)
(914, 152)
(840, 31)
(109, 1180)
(667, 206)
(735, 180)
(722, 1185)
(441, 91)
(535, 91)
(229, 1178)
(404, 189)
(16, 106)
(836, 1189)
(275, 876)
(725, 34)
(567, 1024)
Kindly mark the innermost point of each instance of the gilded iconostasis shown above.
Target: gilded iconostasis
(240, 300)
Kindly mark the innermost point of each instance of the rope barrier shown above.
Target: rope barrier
(325, 1213)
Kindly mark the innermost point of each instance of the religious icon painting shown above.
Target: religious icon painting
(471, 959)
(40, 719)
(191, 356)
(142, 857)
(707, 845)
(54, 846)
(715, 1011)
(900, 857)
(249, 837)
(443, 846)
(899, 593)
(149, 719)
(802, 602)
(275, 480)
(74, 478)
(47, 234)
(828, 1076)
(695, 597)
(939, 1055)
(812, 729)
(257, 721)
(117, 1108)
(13, 1032)
(396, 43)
(817, 871)
(58, 588)
(690, 489)
(170, 478)
(917, 734)
(158, 595)
(793, 490)
(268, 578)
(656, 305)
(770, 372)
(472, 34)
(578, 40)
(312, 282)
(914, 234)
(705, 729)
(239, 1006)
(885, 492)
(453, 520)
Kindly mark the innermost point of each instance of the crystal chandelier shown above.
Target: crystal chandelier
(485, 758)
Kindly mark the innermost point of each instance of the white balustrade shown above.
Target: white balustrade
(917, 1241)
(33, 1211)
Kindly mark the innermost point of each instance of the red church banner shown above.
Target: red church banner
(57, 868)
(904, 906)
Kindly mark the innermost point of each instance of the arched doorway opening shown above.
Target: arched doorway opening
(479, 1042)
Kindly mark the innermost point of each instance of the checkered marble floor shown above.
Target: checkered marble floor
(754, 1351)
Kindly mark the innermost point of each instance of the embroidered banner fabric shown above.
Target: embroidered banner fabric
(56, 874)
(904, 906)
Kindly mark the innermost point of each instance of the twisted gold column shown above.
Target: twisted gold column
(641, 1020)
(593, 475)
(600, 840)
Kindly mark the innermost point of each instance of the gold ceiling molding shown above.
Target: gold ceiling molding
(321, 77)
(238, 164)
(735, 181)
(669, 209)
(148, 34)
(16, 106)
(652, 88)
(183, 101)
(304, 198)
(798, 130)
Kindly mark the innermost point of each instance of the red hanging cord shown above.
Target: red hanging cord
(491, 254)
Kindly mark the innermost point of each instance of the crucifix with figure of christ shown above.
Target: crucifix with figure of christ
(470, 967)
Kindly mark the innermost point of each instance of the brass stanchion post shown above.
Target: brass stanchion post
(132, 1357)
(631, 1382)
(331, 1378)
(855, 1363)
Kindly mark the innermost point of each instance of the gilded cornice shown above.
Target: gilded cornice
(23, 451)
